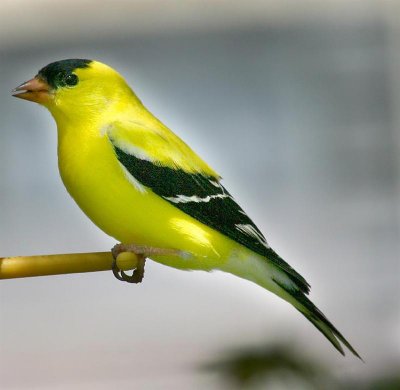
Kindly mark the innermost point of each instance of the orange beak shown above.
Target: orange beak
(35, 90)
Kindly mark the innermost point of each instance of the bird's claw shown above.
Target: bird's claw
(138, 272)
(136, 277)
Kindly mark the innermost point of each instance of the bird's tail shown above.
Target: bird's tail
(259, 270)
(304, 305)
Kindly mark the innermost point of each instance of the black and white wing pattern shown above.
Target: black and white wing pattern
(205, 199)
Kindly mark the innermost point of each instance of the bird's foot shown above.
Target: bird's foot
(137, 274)
(141, 253)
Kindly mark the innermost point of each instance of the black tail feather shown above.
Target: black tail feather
(314, 315)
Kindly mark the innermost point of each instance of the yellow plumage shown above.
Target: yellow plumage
(100, 186)
(140, 183)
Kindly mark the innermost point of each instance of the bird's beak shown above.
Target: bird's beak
(35, 90)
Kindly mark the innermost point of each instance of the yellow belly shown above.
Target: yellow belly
(97, 182)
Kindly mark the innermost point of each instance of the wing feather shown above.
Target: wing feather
(191, 187)
(156, 144)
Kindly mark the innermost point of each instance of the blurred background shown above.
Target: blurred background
(297, 105)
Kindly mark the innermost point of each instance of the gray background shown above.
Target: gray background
(299, 113)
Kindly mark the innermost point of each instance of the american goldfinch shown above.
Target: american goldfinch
(140, 183)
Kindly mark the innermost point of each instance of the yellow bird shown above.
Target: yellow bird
(140, 183)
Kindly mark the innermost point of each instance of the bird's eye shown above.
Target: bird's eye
(71, 79)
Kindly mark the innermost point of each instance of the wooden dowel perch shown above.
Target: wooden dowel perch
(26, 266)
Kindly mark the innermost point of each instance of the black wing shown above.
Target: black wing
(205, 199)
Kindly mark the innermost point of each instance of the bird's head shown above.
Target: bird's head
(68, 88)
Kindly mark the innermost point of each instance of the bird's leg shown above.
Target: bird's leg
(141, 252)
